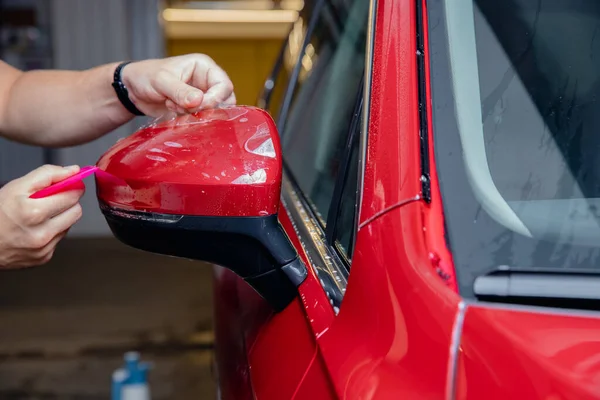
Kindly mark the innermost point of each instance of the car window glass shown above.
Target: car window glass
(290, 55)
(323, 102)
(288, 59)
(345, 223)
(515, 88)
(278, 90)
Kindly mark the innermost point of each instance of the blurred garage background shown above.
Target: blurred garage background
(64, 327)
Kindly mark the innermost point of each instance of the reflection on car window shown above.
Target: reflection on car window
(323, 100)
(520, 179)
(278, 90)
(290, 55)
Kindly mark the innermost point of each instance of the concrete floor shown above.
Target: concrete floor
(65, 326)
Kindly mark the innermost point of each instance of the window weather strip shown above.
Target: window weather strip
(362, 156)
(323, 259)
(336, 201)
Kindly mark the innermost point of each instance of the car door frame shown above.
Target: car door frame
(329, 265)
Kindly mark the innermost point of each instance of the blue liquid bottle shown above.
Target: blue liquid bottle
(130, 382)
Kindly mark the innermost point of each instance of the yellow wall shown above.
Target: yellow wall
(247, 62)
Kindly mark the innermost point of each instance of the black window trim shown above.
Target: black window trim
(287, 97)
(264, 98)
(364, 137)
(422, 95)
(331, 233)
(336, 199)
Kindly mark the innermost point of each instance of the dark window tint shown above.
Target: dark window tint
(315, 134)
(345, 223)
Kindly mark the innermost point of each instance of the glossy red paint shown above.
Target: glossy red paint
(528, 354)
(281, 354)
(267, 355)
(224, 162)
(319, 313)
(392, 170)
(392, 337)
(395, 323)
(315, 385)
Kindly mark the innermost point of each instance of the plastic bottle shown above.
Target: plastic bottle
(131, 381)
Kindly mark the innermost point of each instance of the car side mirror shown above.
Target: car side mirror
(205, 187)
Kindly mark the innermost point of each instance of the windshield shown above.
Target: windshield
(516, 121)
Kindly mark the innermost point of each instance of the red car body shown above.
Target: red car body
(403, 331)
(387, 300)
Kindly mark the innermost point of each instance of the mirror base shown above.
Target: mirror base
(255, 248)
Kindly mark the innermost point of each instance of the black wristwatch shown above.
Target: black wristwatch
(122, 92)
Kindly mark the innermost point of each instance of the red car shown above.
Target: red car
(417, 217)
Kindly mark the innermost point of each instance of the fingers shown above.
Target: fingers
(203, 84)
(40, 210)
(34, 238)
(231, 100)
(209, 76)
(44, 255)
(45, 176)
(31, 228)
(171, 106)
(40, 242)
(65, 220)
(180, 93)
(174, 107)
(33, 212)
(182, 84)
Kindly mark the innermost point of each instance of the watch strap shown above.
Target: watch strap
(122, 92)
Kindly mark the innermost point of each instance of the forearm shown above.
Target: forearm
(62, 108)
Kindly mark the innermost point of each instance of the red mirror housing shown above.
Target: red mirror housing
(205, 187)
(221, 162)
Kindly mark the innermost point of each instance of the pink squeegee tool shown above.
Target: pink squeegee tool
(68, 183)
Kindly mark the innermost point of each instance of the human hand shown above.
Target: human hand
(181, 84)
(30, 229)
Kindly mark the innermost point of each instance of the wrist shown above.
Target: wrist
(126, 74)
(102, 97)
(122, 90)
